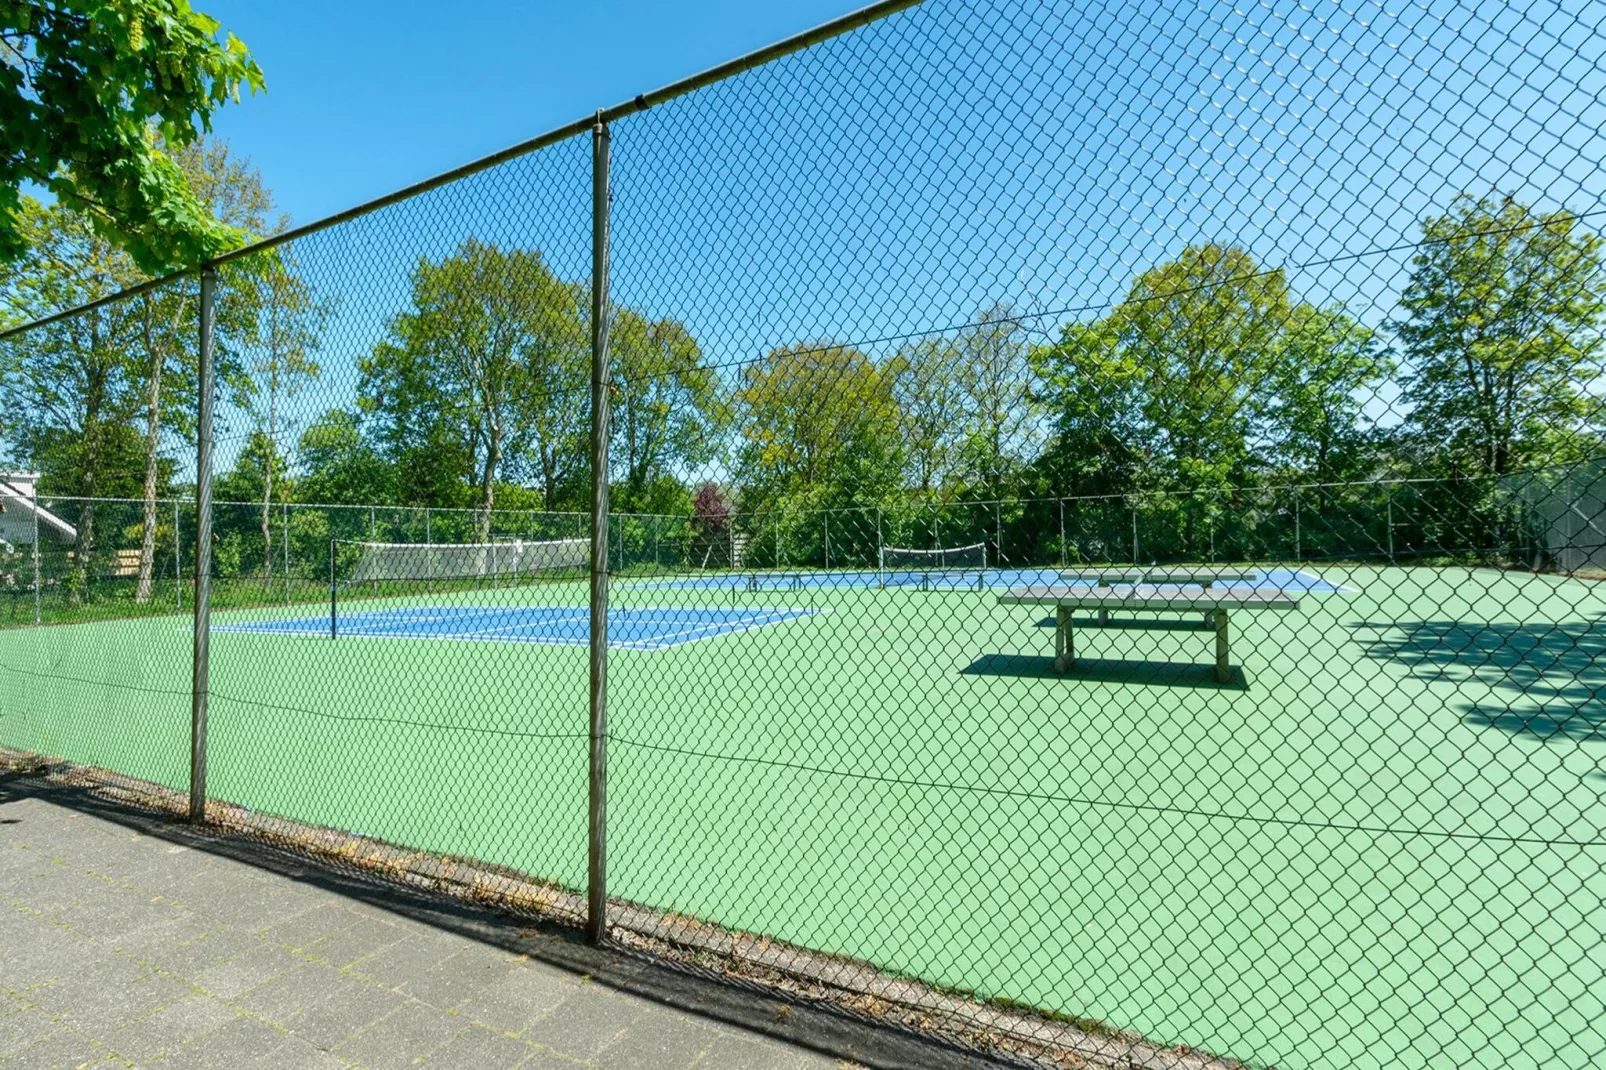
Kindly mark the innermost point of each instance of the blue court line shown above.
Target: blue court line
(1285, 579)
(628, 629)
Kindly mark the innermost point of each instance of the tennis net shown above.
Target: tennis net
(946, 566)
(382, 561)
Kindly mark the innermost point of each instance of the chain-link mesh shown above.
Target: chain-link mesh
(1103, 544)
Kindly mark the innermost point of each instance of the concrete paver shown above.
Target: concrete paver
(125, 949)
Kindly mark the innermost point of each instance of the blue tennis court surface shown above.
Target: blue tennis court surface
(628, 629)
(1283, 579)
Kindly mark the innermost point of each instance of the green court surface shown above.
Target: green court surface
(1381, 844)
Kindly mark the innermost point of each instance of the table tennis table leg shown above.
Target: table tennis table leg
(1223, 669)
(1064, 642)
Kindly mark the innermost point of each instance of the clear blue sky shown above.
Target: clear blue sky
(366, 96)
(893, 182)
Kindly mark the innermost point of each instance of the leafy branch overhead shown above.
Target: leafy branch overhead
(94, 95)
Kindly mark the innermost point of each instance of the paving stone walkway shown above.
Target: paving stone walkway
(123, 945)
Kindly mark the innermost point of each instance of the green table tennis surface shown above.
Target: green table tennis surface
(1400, 806)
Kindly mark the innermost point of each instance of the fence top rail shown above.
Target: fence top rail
(641, 102)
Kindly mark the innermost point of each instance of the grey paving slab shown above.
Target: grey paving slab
(25, 1027)
(590, 1020)
(65, 1049)
(350, 1008)
(236, 1043)
(410, 1032)
(739, 1052)
(523, 992)
(237, 975)
(659, 1040)
(162, 1032)
(123, 948)
(481, 1047)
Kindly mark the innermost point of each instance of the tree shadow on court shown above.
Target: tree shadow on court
(1108, 671)
(1547, 681)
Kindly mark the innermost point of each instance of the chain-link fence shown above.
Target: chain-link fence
(1093, 549)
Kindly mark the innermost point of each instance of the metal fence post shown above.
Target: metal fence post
(1064, 550)
(203, 555)
(37, 578)
(1389, 495)
(827, 517)
(178, 558)
(597, 882)
(284, 513)
(1298, 554)
(1134, 534)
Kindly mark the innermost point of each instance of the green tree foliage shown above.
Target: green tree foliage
(280, 359)
(999, 415)
(1329, 367)
(488, 366)
(819, 425)
(231, 190)
(93, 95)
(1093, 390)
(668, 411)
(339, 466)
(930, 400)
(1501, 334)
(73, 387)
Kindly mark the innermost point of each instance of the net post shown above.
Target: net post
(332, 618)
(597, 815)
(200, 682)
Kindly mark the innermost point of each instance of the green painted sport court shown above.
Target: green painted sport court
(1297, 859)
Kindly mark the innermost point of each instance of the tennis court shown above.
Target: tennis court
(628, 629)
(900, 776)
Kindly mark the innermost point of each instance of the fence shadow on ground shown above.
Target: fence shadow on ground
(1108, 671)
(1545, 681)
(822, 1027)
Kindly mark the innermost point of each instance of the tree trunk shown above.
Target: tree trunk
(493, 458)
(153, 424)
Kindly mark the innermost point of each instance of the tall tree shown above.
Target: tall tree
(491, 355)
(83, 86)
(1501, 333)
(996, 379)
(930, 395)
(1328, 368)
(290, 316)
(1093, 392)
(818, 423)
(338, 466)
(73, 386)
(668, 410)
(230, 189)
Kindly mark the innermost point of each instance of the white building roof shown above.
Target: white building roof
(18, 510)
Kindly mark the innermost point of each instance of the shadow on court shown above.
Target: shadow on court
(1547, 681)
(1108, 671)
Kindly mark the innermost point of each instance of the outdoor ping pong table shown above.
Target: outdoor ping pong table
(1149, 598)
(1183, 576)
